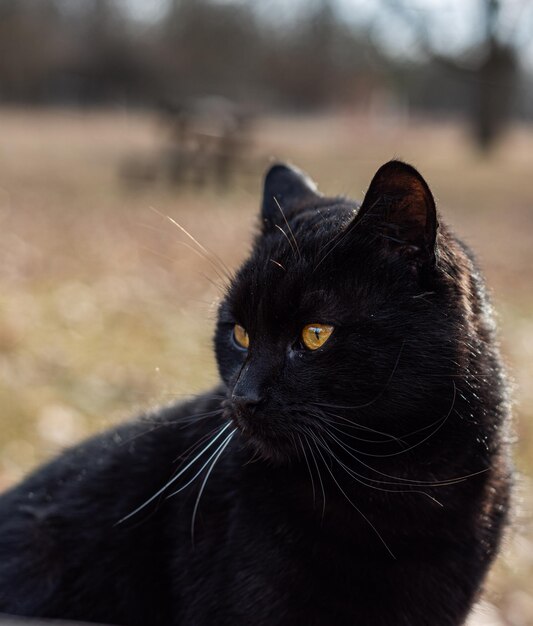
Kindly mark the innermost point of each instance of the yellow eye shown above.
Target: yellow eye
(241, 336)
(314, 336)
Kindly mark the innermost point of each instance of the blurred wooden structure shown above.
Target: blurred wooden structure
(208, 141)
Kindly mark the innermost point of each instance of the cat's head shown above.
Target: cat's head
(338, 323)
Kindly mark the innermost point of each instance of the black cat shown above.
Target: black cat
(352, 465)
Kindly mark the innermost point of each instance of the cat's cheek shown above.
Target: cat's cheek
(229, 361)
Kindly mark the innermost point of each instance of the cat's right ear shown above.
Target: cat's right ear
(285, 189)
(400, 210)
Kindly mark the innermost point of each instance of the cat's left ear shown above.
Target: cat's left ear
(285, 189)
(400, 208)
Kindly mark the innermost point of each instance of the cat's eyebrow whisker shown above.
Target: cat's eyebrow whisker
(218, 453)
(174, 478)
(338, 239)
(222, 288)
(286, 237)
(288, 226)
(222, 275)
(203, 248)
(209, 256)
(278, 264)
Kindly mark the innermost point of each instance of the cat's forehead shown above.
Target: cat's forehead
(274, 293)
(284, 278)
(305, 232)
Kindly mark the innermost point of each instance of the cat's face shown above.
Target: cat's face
(335, 324)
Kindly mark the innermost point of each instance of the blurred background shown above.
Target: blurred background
(115, 114)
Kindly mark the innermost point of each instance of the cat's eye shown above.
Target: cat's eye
(241, 337)
(314, 336)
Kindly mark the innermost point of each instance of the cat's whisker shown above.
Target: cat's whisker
(348, 423)
(427, 483)
(199, 472)
(174, 478)
(186, 454)
(219, 452)
(396, 481)
(288, 226)
(420, 483)
(411, 481)
(361, 479)
(319, 478)
(382, 390)
(256, 456)
(195, 416)
(309, 469)
(355, 506)
(339, 425)
(165, 424)
(335, 425)
(441, 423)
(297, 450)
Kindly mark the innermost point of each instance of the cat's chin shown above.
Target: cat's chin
(274, 450)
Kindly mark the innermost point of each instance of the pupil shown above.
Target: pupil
(317, 333)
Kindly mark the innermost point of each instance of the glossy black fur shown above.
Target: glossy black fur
(364, 483)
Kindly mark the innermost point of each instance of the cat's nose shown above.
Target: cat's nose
(246, 402)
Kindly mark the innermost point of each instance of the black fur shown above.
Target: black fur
(366, 482)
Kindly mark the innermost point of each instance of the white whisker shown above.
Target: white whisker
(354, 506)
(174, 478)
(288, 226)
(218, 454)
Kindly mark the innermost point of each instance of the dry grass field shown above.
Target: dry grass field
(105, 309)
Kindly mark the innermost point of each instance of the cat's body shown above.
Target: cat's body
(364, 481)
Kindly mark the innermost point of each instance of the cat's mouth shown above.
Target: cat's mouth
(261, 431)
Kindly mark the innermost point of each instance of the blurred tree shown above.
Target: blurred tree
(29, 48)
(210, 47)
(87, 52)
(319, 60)
(490, 68)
